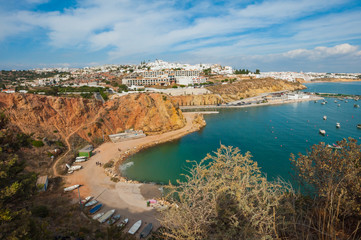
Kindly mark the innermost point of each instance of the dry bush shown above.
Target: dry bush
(226, 196)
(332, 177)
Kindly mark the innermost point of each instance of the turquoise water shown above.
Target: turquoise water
(344, 88)
(270, 133)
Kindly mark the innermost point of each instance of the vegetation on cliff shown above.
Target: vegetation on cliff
(227, 197)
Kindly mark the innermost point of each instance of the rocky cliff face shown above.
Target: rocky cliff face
(196, 100)
(58, 117)
(251, 88)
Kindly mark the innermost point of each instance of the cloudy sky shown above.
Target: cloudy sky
(272, 35)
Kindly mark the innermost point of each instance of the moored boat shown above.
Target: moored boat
(71, 188)
(85, 200)
(135, 227)
(324, 117)
(358, 126)
(334, 146)
(338, 125)
(95, 209)
(106, 216)
(91, 203)
(123, 223)
(113, 219)
(146, 231)
(96, 216)
(323, 103)
(356, 106)
(322, 132)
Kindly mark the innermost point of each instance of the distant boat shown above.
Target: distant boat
(338, 105)
(316, 101)
(123, 223)
(71, 188)
(135, 227)
(146, 231)
(113, 219)
(335, 101)
(95, 209)
(323, 103)
(324, 117)
(334, 146)
(346, 101)
(358, 126)
(106, 216)
(96, 216)
(322, 132)
(356, 105)
(91, 203)
(85, 200)
(338, 125)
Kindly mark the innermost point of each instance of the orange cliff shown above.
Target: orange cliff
(60, 117)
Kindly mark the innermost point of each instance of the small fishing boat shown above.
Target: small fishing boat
(135, 227)
(358, 126)
(83, 157)
(146, 231)
(346, 101)
(335, 101)
(338, 125)
(338, 105)
(324, 117)
(80, 160)
(113, 219)
(356, 106)
(95, 209)
(106, 216)
(91, 203)
(98, 215)
(316, 101)
(322, 132)
(71, 188)
(85, 200)
(123, 223)
(323, 103)
(334, 146)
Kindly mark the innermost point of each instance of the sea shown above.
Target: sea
(270, 133)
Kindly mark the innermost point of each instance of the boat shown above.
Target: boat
(316, 101)
(96, 216)
(146, 231)
(338, 105)
(135, 227)
(83, 157)
(80, 160)
(106, 216)
(322, 132)
(323, 103)
(324, 117)
(91, 203)
(85, 200)
(95, 209)
(358, 126)
(335, 101)
(338, 125)
(334, 146)
(123, 223)
(113, 219)
(71, 188)
(356, 105)
(346, 101)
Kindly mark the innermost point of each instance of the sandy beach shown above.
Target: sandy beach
(129, 199)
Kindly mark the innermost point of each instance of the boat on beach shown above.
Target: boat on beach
(146, 231)
(106, 216)
(95, 209)
(322, 132)
(80, 160)
(85, 200)
(91, 203)
(123, 223)
(135, 227)
(96, 216)
(71, 188)
(113, 219)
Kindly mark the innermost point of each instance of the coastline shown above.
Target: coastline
(335, 81)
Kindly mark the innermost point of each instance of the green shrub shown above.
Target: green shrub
(40, 211)
(36, 143)
(109, 164)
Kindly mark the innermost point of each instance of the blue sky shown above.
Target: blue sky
(272, 35)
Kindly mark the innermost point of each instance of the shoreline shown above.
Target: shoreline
(336, 81)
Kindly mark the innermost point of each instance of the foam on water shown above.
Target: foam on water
(124, 166)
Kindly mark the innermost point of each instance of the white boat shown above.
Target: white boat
(85, 200)
(96, 216)
(83, 157)
(324, 117)
(335, 101)
(71, 169)
(80, 160)
(106, 216)
(322, 132)
(135, 227)
(91, 203)
(71, 188)
(123, 223)
(338, 125)
(338, 105)
(323, 103)
(346, 101)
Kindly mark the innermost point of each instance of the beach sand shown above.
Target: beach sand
(129, 199)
